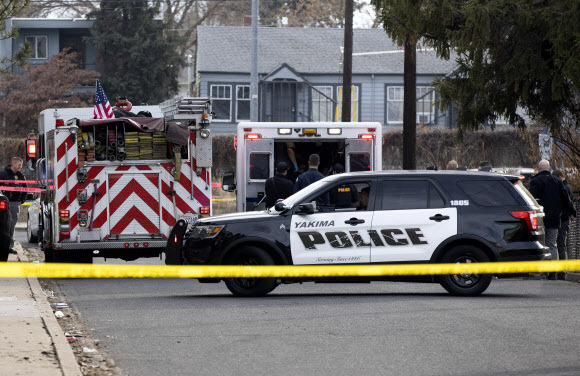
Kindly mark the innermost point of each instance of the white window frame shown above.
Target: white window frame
(35, 46)
(242, 99)
(327, 90)
(401, 88)
(356, 106)
(229, 120)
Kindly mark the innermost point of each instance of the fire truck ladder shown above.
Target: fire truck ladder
(185, 108)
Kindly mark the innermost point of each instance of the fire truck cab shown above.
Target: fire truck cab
(114, 188)
(261, 146)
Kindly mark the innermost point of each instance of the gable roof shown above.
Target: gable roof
(227, 49)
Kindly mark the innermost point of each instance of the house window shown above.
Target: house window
(221, 97)
(425, 104)
(354, 110)
(322, 105)
(39, 45)
(242, 102)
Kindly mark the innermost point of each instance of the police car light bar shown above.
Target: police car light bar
(366, 136)
(334, 131)
(284, 130)
(253, 136)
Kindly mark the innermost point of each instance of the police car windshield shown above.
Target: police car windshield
(299, 196)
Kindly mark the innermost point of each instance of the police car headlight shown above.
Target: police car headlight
(206, 232)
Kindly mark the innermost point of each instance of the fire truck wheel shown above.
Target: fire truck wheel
(465, 284)
(250, 255)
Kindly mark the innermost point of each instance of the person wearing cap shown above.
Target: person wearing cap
(12, 172)
(278, 186)
(345, 195)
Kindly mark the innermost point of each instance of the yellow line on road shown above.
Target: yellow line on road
(20, 270)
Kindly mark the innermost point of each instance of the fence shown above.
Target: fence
(573, 241)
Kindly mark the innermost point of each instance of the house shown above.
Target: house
(300, 76)
(49, 36)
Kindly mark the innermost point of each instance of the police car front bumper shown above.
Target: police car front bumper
(199, 251)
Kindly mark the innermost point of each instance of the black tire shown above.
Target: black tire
(465, 284)
(33, 239)
(249, 255)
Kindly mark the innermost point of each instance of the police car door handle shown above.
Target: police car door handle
(439, 218)
(354, 221)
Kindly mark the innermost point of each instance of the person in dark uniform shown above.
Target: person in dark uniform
(364, 199)
(567, 215)
(345, 195)
(12, 172)
(311, 176)
(278, 186)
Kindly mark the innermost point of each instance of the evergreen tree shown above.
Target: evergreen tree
(10, 9)
(138, 53)
(511, 54)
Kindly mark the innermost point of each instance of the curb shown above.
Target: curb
(573, 277)
(64, 353)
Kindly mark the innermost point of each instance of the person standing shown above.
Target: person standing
(345, 195)
(551, 194)
(12, 172)
(567, 215)
(484, 166)
(311, 176)
(278, 186)
(452, 165)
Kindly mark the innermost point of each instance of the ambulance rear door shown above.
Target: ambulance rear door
(259, 166)
(359, 154)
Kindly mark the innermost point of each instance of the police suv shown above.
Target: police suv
(398, 217)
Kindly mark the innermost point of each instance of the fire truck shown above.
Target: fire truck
(114, 188)
(261, 146)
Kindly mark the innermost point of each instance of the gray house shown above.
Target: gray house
(300, 72)
(49, 36)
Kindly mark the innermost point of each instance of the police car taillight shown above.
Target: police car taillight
(366, 136)
(530, 217)
(3, 205)
(253, 136)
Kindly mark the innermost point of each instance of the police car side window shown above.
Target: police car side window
(409, 194)
(488, 192)
(345, 197)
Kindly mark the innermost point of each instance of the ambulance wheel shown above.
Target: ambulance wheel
(465, 284)
(250, 255)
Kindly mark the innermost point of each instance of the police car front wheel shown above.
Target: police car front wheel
(465, 284)
(250, 255)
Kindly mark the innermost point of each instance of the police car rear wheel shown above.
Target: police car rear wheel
(250, 255)
(465, 284)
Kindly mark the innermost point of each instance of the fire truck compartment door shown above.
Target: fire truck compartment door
(259, 167)
(359, 154)
(134, 203)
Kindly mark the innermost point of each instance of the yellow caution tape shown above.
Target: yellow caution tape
(224, 199)
(26, 203)
(19, 270)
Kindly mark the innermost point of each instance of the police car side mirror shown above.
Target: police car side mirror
(228, 182)
(305, 209)
(279, 206)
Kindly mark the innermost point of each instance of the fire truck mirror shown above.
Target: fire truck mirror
(228, 182)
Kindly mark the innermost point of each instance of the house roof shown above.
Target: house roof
(227, 49)
(52, 23)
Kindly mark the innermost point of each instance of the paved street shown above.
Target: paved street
(152, 327)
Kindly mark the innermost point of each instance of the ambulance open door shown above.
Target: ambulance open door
(359, 154)
(259, 167)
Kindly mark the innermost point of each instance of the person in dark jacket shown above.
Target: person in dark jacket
(278, 186)
(551, 194)
(12, 172)
(567, 215)
(345, 195)
(311, 176)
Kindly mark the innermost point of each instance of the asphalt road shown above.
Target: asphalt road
(154, 327)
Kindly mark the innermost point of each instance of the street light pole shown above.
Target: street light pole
(254, 73)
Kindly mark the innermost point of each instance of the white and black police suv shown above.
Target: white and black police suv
(375, 217)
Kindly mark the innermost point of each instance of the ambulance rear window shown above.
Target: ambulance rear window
(259, 166)
(360, 162)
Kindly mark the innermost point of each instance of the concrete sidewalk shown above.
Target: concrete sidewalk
(31, 340)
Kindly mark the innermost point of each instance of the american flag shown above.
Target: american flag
(103, 108)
